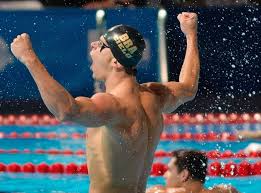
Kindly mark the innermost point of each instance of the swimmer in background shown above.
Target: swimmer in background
(127, 118)
(186, 173)
(247, 134)
(250, 135)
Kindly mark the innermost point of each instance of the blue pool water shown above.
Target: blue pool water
(29, 183)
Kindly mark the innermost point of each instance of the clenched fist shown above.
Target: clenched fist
(188, 23)
(22, 49)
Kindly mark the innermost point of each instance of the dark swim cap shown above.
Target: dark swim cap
(126, 44)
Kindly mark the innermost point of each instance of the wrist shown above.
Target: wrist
(30, 58)
(192, 39)
(192, 36)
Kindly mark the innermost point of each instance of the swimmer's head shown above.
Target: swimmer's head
(184, 166)
(119, 49)
(126, 44)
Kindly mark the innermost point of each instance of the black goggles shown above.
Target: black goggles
(102, 45)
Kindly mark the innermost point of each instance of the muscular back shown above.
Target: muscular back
(120, 154)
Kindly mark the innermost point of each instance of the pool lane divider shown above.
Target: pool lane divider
(219, 118)
(229, 169)
(210, 136)
(214, 154)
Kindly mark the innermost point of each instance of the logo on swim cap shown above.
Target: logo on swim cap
(126, 43)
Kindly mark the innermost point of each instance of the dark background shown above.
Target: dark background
(229, 43)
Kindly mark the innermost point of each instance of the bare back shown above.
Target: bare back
(120, 155)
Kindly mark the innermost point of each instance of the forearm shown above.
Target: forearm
(59, 102)
(189, 74)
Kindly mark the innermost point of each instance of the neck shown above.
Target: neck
(116, 79)
(193, 186)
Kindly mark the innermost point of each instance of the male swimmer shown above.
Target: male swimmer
(186, 174)
(247, 134)
(127, 117)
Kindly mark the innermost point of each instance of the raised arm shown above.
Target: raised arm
(189, 73)
(173, 94)
(87, 111)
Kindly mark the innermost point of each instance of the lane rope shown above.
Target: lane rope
(210, 136)
(220, 118)
(229, 169)
(214, 154)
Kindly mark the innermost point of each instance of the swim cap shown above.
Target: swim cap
(126, 44)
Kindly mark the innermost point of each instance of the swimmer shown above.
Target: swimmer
(186, 174)
(125, 122)
(247, 134)
(253, 147)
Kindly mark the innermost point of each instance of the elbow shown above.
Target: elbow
(66, 115)
(190, 98)
(190, 90)
(63, 117)
(193, 91)
(191, 95)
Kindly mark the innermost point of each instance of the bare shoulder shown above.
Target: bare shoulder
(156, 189)
(223, 188)
(100, 109)
(154, 95)
(158, 90)
(163, 189)
(103, 100)
(155, 87)
(105, 97)
(167, 99)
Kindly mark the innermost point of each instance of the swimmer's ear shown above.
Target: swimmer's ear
(116, 64)
(184, 175)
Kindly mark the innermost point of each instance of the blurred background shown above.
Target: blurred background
(61, 32)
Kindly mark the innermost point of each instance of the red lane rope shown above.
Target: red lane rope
(79, 152)
(56, 168)
(211, 136)
(229, 169)
(214, 154)
(210, 118)
(28, 120)
(42, 135)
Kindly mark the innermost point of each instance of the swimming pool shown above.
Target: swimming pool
(22, 182)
